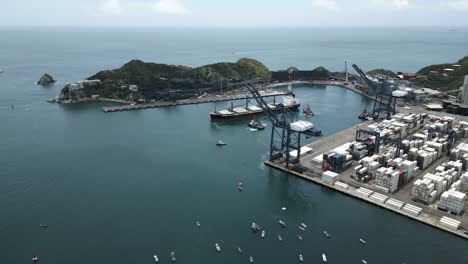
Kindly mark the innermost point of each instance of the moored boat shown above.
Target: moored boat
(234, 114)
(298, 236)
(363, 261)
(255, 227)
(263, 233)
(251, 260)
(365, 115)
(280, 238)
(301, 228)
(303, 225)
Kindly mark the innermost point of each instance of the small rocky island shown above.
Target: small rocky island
(46, 79)
(139, 81)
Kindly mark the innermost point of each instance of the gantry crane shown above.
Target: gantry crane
(384, 101)
(284, 139)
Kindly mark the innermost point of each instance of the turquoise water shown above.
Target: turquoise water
(120, 187)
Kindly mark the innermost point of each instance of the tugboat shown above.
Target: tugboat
(308, 111)
(256, 125)
(365, 115)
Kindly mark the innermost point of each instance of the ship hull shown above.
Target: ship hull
(219, 118)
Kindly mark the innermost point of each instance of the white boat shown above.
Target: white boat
(301, 228)
(282, 223)
(362, 241)
(263, 233)
(198, 224)
(301, 259)
(280, 238)
(173, 256)
(35, 258)
(156, 259)
(303, 225)
(300, 238)
(251, 260)
(240, 188)
(324, 257)
(364, 262)
(326, 234)
(220, 143)
(239, 184)
(255, 227)
(284, 208)
(239, 249)
(218, 248)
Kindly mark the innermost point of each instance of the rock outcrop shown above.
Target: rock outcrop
(46, 79)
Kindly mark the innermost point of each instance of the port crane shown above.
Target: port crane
(384, 101)
(284, 139)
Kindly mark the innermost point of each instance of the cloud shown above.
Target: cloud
(112, 7)
(327, 4)
(170, 7)
(395, 4)
(458, 4)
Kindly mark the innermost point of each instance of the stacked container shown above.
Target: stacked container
(463, 186)
(452, 201)
(423, 191)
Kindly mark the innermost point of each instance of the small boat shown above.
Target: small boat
(280, 238)
(35, 258)
(284, 208)
(255, 227)
(362, 241)
(326, 234)
(282, 223)
(43, 226)
(298, 236)
(308, 111)
(173, 258)
(240, 188)
(263, 233)
(301, 259)
(365, 115)
(301, 228)
(156, 259)
(256, 125)
(198, 224)
(239, 249)
(303, 225)
(324, 257)
(239, 184)
(251, 260)
(220, 143)
(364, 262)
(218, 248)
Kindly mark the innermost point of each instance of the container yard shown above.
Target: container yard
(412, 164)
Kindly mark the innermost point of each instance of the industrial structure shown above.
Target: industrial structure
(285, 133)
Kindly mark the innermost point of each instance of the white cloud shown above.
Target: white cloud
(170, 7)
(112, 7)
(395, 4)
(327, 4)
(459, 4)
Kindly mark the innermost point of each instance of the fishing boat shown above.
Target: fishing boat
(282, 223)
(251, 260)
(303, 225)
(324, 257)
(256, 125)
(326, 234)
(364, 262)
(263, 233)
(362, 241)
(255, 227)
(301, 228)
(156, 259)
(198, 224)
(35, 258)
(218, 248)
(173, 258)
(239, 249)
(301, 259)
(234, 114)
(308, 111)
(283, 208)
(220, 143)
(298, 236)
(365, 115)
(280, 238)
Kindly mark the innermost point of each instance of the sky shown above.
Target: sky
(234, 13)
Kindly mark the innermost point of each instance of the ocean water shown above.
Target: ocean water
(120, 187)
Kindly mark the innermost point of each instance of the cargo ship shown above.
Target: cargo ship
(233, 114)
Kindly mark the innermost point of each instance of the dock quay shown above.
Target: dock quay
(399, 202)
(202, 100)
